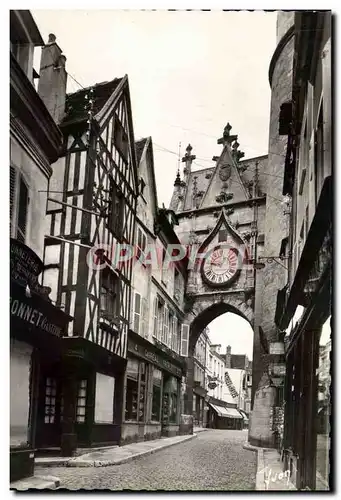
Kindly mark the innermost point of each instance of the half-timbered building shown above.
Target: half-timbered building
(90, 218)
(157, 338)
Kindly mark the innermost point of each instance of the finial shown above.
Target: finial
(227, 138)
(177, 179)
(189, 149)
(235, 145)
(52, 38)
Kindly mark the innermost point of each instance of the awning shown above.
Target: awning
(222, 411)
(243, 414)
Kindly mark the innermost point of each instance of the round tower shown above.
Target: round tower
(274, 276)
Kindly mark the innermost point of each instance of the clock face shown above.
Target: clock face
(221, 266)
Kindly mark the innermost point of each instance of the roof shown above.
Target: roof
(139, 147)
(75, 103)
(238, 361)
(23, 28)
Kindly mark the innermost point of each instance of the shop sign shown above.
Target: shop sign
(276, 348)
(35, 312)
(154, 358)
(25, 267)
(277, 369)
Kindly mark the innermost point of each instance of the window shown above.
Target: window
(19, 200)
(155, 317)
(132, 390)
(137, 312)
(50, 401)
(318, 156)
(81, 402)
(170, 400)
(116, 210)
(141, 243)
(222, 235)
(109, 302)
(175, 338)
(160, 316)
(163, 268)
(184, 340)
(177, 285)
(156, 401)
(170, 329)
(165, 325)
(142, 186)
(121, 139)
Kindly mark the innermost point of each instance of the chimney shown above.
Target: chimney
(228, 357)
(52, 79)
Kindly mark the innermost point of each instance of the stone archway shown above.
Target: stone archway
(204, 310)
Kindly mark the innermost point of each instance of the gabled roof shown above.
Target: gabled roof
(75, 103)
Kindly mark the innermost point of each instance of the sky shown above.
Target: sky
(189, 74)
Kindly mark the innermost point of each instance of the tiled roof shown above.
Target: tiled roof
(139, 147)
(75, 103)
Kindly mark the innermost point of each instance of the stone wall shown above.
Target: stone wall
(274, 276)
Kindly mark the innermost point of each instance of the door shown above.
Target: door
(49, 411)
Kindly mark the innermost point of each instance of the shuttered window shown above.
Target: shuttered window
(184, 340)
(19, 199)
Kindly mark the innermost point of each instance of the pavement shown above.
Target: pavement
(213, 460)
(270, 474)
(36, 483)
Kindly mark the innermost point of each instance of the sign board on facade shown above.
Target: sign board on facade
(26, 267)
(276, 348)
(35, 312)
(153, 357)
(277, 369)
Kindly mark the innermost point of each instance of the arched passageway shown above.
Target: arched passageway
(200, 321)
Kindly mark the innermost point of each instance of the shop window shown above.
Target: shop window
(173, 401)
(19, 200)
(142, 397)
(116, 210)
(81, 402)
(156, 402)
(109, 293)
(50, 401)
(131, 409)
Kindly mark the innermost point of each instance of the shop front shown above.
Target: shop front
(152, 392)
(199, 414)
(220, 416)
(36, 330)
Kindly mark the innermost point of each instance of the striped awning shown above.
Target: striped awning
(222, 411)
(245, 417)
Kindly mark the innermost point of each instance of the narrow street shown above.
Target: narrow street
(214, 460)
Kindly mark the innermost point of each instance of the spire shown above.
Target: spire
(227, 138)
(188, 159)
(177, 182)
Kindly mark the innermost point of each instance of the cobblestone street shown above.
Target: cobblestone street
(214, 460)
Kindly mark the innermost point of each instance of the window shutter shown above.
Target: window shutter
(155, 323)
(137, 312)
(12, 195)
(184, 340)
(174, 333)
(22, 211)
(170, 331)
(165, 326)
